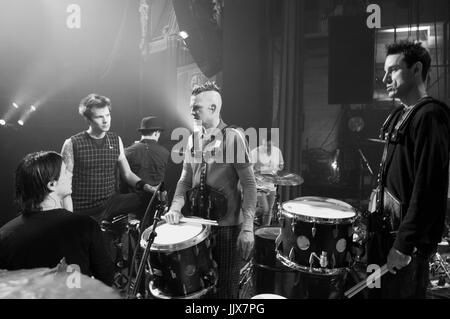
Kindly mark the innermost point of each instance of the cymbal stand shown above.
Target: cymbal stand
(441, 263)
(276, 209)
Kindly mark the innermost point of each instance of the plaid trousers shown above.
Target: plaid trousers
(229, 261)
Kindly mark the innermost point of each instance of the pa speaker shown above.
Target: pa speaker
(205, 36)
(351, 60)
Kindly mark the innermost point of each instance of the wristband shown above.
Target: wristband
(140, 185)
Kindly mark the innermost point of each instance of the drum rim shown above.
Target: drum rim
(195, 295)
(312, 270)
(204, 233)
(321, 220)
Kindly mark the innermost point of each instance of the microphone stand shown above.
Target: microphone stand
(157, 218)
(364, 164)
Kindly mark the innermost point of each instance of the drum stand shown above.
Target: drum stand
(276, 208)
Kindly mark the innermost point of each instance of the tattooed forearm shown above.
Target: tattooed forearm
(67, 154)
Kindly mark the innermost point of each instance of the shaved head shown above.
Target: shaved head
(210, 98)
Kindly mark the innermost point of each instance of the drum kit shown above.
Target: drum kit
(307, 252)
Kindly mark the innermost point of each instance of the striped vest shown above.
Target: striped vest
(95, 170)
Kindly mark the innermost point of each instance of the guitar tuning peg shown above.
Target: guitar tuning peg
(313, 231)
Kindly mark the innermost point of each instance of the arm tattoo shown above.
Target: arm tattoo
(67, 154)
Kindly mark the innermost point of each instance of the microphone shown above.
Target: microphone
(162, 194)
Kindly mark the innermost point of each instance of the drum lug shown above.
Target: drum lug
(333, 261)
(313, 231)
(196, 252)
(173, 274)
(207, 242)
(293, 223)
(184, 289)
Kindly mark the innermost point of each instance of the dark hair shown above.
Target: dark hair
(93, 101)
(413, 52)
(32, 176)
(208, 86)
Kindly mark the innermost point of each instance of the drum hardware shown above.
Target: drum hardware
(279, 179)
(323, 260)
(437, 264)
(162, 194)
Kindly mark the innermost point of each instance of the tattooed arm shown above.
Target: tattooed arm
(67, 154)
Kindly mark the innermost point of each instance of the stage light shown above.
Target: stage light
(183, 34)
(20, 122)
(32, 108)
(2, 122)
(15, 105)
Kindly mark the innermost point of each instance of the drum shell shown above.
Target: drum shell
(264, 251)
(269, 274)
(181, 273)
(182, 270)
(325, 238)
(316, 235)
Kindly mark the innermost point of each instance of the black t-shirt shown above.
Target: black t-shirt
(42, 239)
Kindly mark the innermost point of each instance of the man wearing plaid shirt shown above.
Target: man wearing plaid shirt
(234, 234)
(94, 158)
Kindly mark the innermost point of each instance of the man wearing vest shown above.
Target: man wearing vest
(219, 166)
(94, 157)
(409, 220)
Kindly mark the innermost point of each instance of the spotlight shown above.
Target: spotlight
(15, 105)
(183, 34)
(32, 108)
(20, 122)
(2, 122)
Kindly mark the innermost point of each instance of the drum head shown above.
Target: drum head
(317, 209)
(175, 236)
(270, 233)
(268, 296)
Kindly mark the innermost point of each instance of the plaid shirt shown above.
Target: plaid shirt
(95, 170)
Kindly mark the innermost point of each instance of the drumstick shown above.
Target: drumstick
(363, 284)
(197, 221)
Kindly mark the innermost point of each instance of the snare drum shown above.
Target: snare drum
(181, 261)
(316, 234)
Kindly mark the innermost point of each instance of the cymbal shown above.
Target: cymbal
(377, 140)
(46, 283)
(281, 178)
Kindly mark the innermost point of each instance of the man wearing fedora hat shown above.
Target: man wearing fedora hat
(147, 158)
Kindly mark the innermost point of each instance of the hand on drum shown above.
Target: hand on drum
(245, 243)
(173, 217)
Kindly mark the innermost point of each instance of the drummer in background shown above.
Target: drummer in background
(235, 231)
(45, 232)
(266, 159)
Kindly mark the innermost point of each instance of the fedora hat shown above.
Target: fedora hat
(150, 123)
